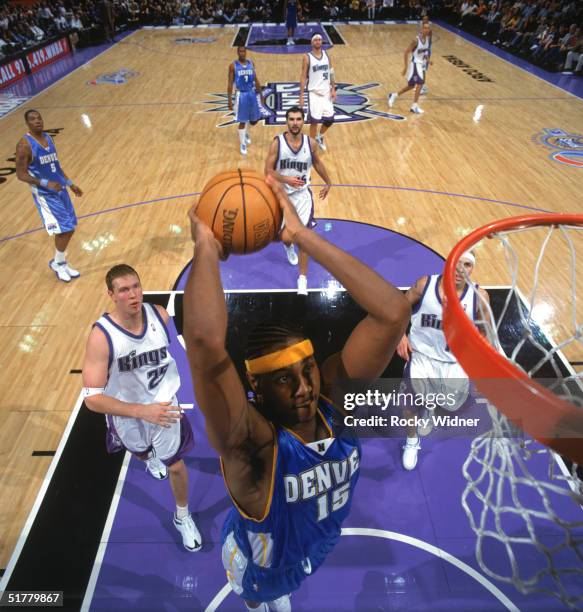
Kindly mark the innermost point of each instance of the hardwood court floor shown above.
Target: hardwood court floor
(433, 177)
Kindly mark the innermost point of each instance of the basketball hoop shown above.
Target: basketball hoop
(520, 494)
(489, 367)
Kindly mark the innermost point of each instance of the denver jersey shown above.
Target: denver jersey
(292, 162)
(141, 369)
(312, 488)
(319, 74)
(426, 335)
(244, 76)
(44, 164)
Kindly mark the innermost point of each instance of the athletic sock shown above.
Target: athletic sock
(182, 512)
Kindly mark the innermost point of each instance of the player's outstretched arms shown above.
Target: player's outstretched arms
(217, 387)
(372, 343)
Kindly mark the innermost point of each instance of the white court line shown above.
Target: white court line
(399, 537)
(87, 63)
(105, 535)
(40, 496)
(507, 61)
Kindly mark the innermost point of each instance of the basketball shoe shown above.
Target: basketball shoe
(72, 272)
(243, 149)
(60, 270)
(320, 141)
(410, 450)
(302, 285)
(292, 256)
(415, 109)
(392, 99)
(247, 138)
(156, 469)
(190, 534)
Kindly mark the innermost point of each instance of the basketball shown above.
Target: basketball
(241, 210)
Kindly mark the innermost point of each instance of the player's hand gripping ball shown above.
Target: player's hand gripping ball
(241, 210)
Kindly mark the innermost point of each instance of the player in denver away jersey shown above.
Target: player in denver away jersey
(243, 75)
(289, 469)
(38, 165)
(431, 366)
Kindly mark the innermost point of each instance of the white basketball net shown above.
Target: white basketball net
(524, 503)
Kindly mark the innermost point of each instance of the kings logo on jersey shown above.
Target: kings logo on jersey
(350, 104)
(567, 147)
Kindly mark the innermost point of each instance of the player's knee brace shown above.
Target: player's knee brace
(328, 122)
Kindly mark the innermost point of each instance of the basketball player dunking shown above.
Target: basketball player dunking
(243, 75)
(38, 165)
(318, 78)
(289, 469)
(415, 69)
(431, 367)
(290, 160)
(130, 376)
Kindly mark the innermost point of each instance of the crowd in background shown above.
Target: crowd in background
(546, 32)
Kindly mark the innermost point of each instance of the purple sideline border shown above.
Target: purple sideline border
(568, 83)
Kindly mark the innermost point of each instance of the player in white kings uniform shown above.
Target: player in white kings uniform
(318, 78)
(431, 366)
(130, 376)
(290, 160)
(414, 69)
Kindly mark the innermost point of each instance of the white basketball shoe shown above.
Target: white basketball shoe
(302, 285)
(410, 451)
(156, 469)
(60, 270)
(292, 256)
(191, 537)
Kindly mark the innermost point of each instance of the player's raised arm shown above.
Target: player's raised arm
(372, 343)
(217, 387)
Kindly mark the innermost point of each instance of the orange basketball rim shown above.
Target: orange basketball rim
(536, 410)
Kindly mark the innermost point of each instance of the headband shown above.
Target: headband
(469, 256)
(280, 359)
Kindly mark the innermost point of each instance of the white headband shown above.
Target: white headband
(317, 36)
(469, 256)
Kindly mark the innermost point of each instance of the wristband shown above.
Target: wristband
(68, 182)
(44, 182)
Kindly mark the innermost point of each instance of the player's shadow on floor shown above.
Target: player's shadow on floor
(149, 586)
